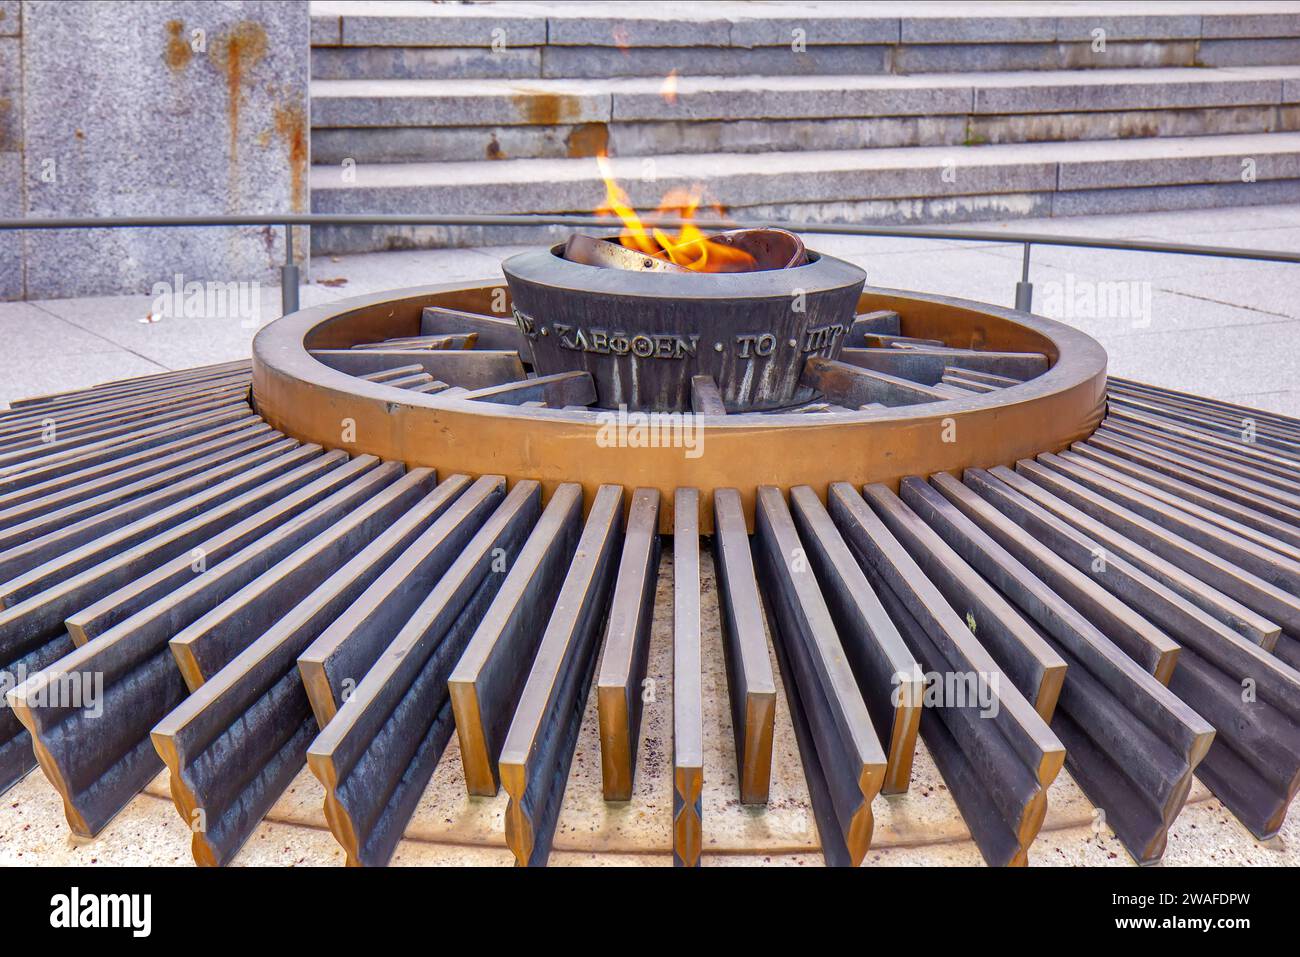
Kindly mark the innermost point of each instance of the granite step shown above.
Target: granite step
(398, 121)
(889, 185)
(355, 40)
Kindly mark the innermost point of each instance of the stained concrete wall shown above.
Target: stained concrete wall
(149, 108)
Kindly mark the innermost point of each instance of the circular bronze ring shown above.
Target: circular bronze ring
(304, 398)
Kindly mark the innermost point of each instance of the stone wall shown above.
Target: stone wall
(148, 109)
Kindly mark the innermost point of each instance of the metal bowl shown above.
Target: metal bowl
(643, 335)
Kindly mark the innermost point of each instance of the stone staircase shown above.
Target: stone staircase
(864, 112)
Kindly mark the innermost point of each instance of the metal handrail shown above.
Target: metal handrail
(289, 271)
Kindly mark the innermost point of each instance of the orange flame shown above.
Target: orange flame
(687, 247)
(669, 89)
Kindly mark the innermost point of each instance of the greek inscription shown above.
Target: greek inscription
(643, 345)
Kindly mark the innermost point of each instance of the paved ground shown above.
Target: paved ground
(1223, 328)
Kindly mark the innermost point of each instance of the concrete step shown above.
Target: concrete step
(383, 121)
(354, 40)
(895, 185)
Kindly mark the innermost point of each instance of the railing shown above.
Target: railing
(289, 279)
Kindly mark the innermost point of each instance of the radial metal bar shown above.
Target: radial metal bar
(137, 390)
(706, 399)
(336, 662)
(969, 385)
(842, 757)
(852, 386)
(1223, 608)
(1240, 522)
(988, 378)
(1141, 640)
(1249, 522)
(99, 760)
(1158, 603)
(1130, 743)
(487, 680)
(467, 341)
(1274, 603)
(995, 752)
(26, 523)
(43, 497)
(751, 685)
(1256, 423)
(24, 454)
(493, 332)
(209, 644)
(688, 691)
(34, 630)
(538, 750)
(1250, 696)
(78, 427)
(1171, 395)
(1244, 429)
(557, 391)
(1017, 365)
(1265, 460)
(396, 374)
(1022, 654)
(910, 364)
(887, 673)
(1259, 560)
(620, 681)
(233, 746)
(1207, 460)
(881, 323)
(70, 463)
(130, 580)
(475, 369)
(1226, 482)
(61, 418)
(376, 755)
(30, 561)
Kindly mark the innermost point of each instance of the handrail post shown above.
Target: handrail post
(288, 275)
(1025, 288)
